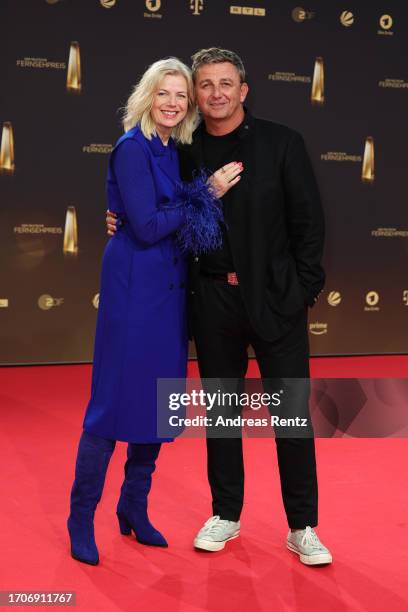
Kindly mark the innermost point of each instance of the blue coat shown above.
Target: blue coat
(141, 330)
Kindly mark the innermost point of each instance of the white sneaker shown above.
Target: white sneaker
(215, 533)
(307, 545)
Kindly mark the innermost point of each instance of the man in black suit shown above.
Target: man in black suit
(256, 288)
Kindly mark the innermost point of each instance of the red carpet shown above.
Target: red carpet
(363, 513)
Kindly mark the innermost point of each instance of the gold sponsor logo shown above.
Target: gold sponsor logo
(4, 302)
(372, 299)
(346, 19)
(389, 232)
(248, 11)
(340, 156)
(74, 69)
(289, 77)
(393, 84)
(197, 6)
(153, 6)
(318, 329)
(97, 148)
(46, 302)
(71, 232)
(334, 298)
(405, 297)
(95, 301)
(7, 165)
(299, 14)
(386, 22)
(367, 169)
(40, 62)
(108, 3)
(317, 93)
(36, 228)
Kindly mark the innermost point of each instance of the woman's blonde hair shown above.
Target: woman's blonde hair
(139, 105)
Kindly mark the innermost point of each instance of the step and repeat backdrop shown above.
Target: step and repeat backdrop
(335, 71)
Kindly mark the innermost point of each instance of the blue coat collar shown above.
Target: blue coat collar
(158, 148)
(155, 144)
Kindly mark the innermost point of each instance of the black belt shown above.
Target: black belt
(226, 277)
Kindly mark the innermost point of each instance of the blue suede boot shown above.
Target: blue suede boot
(93, 458)
(132, 506)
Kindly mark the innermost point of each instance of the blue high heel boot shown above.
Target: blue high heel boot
(93, 458)
(132, 506)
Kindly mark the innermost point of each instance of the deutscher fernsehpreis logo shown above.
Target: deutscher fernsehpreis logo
(74, 84)
(317, 93)
(367, 170)
(7, 149)
(70, 246)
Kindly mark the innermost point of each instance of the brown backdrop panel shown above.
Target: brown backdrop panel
(337, 76)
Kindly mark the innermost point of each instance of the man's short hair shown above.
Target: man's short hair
(215, 55)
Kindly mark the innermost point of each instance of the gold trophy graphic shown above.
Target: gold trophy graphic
(71, 232)
(74, 69)
(367, 172)
(7, 150)
(317, 95)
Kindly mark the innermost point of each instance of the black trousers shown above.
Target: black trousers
(223, 332)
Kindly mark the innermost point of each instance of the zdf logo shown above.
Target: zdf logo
(299, 14)
(45, 302)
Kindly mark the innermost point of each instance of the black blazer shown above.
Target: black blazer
(274, 221)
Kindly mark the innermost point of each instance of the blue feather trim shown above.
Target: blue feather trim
(201, 231)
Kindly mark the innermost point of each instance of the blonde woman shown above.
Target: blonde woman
(141, 329)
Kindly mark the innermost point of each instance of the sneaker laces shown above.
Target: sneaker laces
(310, 539)
(211, 526)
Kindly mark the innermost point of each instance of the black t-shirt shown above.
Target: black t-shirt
(219, 151)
